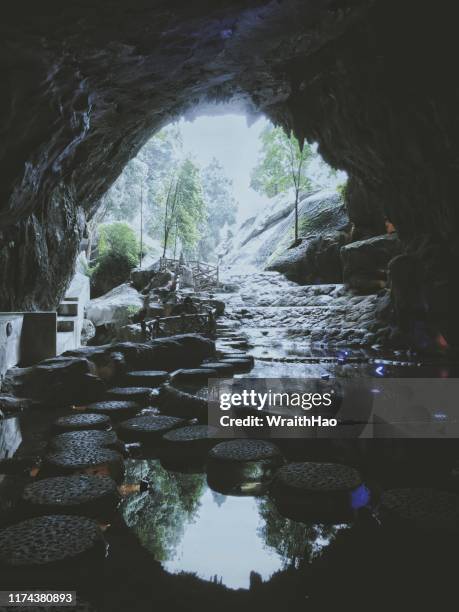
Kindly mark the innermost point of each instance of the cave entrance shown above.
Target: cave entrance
(195, 187)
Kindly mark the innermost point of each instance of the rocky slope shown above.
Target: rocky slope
(265, 241)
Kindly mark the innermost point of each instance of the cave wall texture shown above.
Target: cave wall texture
(86, 83)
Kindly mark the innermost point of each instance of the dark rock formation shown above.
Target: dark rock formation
(365, 262)
(84, 86)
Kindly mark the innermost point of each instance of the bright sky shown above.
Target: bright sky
(235, 145)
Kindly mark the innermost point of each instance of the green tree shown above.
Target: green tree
(181, 210)
(282, 166)
(117, 254)
(221, 207)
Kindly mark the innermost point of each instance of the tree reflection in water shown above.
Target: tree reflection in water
(297, 543)
(158, 516)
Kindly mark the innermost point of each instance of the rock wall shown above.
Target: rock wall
(85, 85)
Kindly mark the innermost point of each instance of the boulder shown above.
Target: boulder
(88, 331)
(365, 262)
(140, 277)
(316, 260)
(115, 307)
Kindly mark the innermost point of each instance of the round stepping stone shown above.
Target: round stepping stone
(47, 540)
(116, 410)
(82, 421)
(195, 376)
(220, 367)
(95, 496)
(148, 428)
(150, 378)
(242, 466)
(141, 395)
(85, 459)
(316, 491)
(190, 441)
(90, 437)
(239, 365)
(426, 509)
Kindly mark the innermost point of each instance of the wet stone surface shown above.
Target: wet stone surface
(79, 494)
(82, 421)
(47, 539)
(148, 428)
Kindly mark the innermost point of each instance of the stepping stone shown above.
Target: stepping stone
(94, 496)
(427, 509)
(191, 441)
(116, 409)
(150, 378)
(240, 356)
(240, 365)
(242, 466)
(48, 540)
(316, 491)
(141, 395)
(86, 438)
(220, 367)
(82, 421)
(148, 428)
(193, 376)
(175, 402)
(85, 459)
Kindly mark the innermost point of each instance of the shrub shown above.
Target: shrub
(118, 253)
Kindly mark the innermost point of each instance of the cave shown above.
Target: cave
(86, 85)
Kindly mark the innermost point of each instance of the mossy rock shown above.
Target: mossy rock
(116, 410)
(193, 376)
(94, 496)
(320, 492)
(242, 467)
(86, 420)
(85, 438)
(149, 378)
(85, 459)
(148, 429)
(427, 509)
(141, 395)
(49, 540)
(222, 368)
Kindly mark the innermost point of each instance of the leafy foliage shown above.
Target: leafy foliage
(118, 253)
(282, 161)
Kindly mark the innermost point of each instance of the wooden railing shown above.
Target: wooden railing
(205, 275)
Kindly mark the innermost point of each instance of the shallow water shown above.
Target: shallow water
(188, 527)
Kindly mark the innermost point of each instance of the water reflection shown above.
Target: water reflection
(188, 527)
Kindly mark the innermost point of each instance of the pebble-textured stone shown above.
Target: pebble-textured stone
(48, 539)
(193, 376)
(142, 395)
(239, 364)
(423, 508)
(116, 410)
(317, 477)
(86, 438)
(220, 367)
(89, 459)
(142, 378)
(81, 421)
(148, 428)
(190, 434)
(246, 450)
(80, 494)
